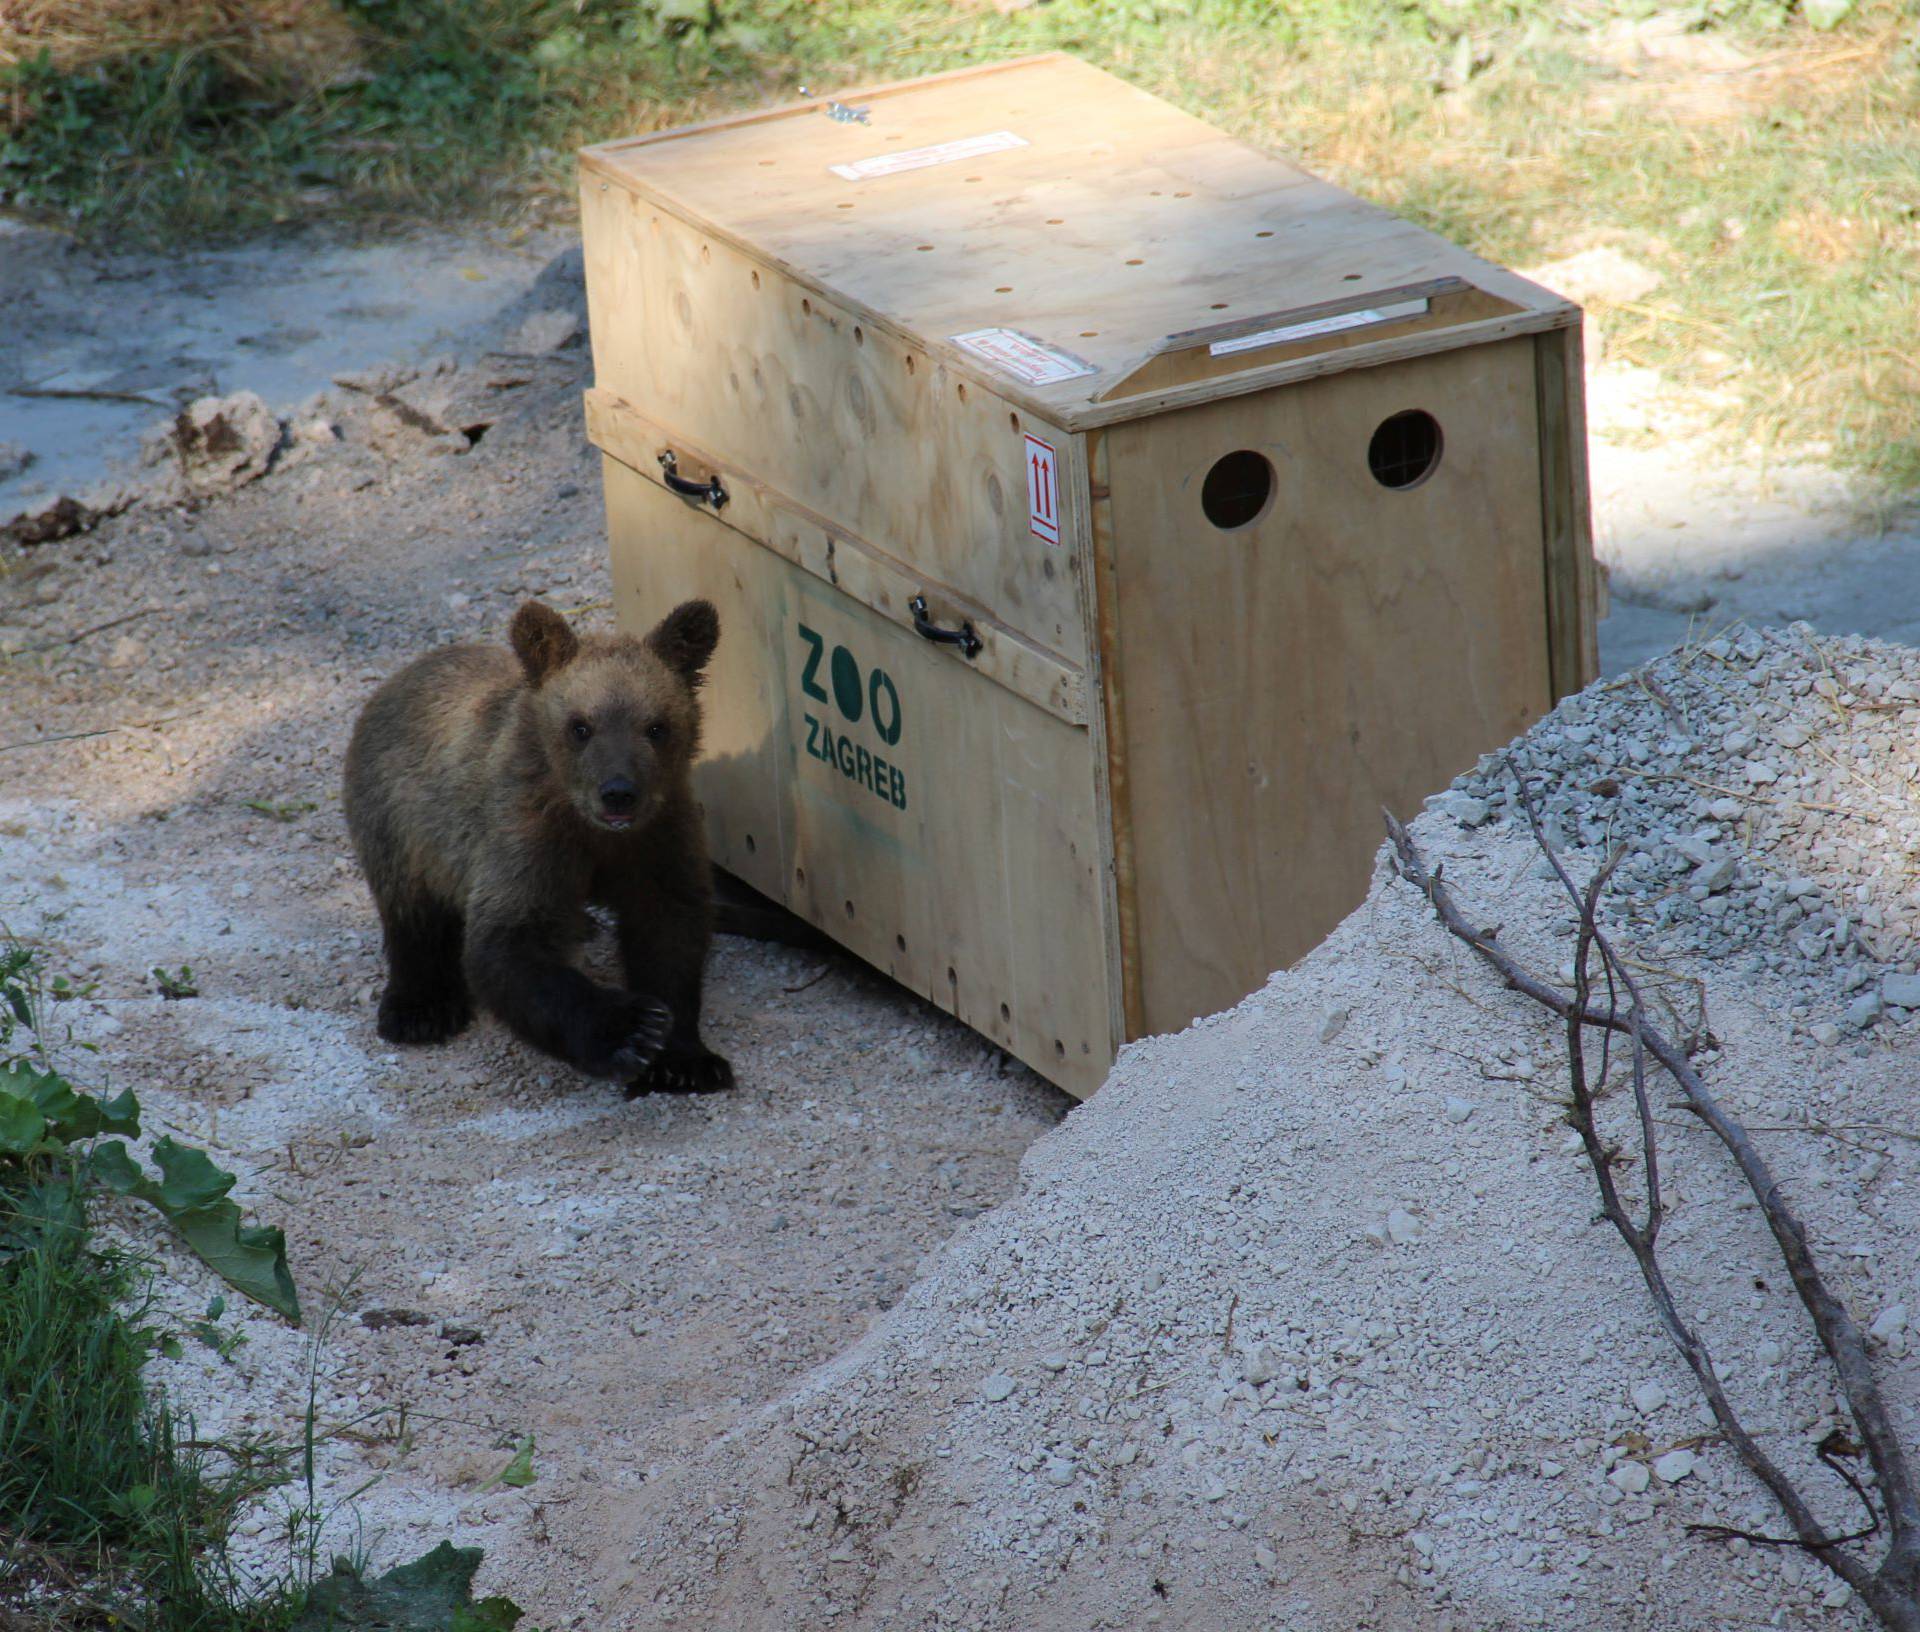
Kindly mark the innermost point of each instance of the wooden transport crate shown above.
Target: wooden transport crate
(1105, 519)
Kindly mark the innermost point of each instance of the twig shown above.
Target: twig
(97, 629)
(1892, 1589)
(103, 731)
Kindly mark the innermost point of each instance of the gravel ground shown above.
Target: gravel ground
(481, 1238)
(1307, 1321)
(1303, 1322)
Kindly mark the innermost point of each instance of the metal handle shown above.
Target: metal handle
(707, 492)
(963, 637)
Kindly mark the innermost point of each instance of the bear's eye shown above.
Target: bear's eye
(579, 730)
(657, 731)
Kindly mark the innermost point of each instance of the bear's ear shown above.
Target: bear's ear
(541, 640)
(685, 638)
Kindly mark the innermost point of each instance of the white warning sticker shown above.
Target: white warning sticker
(1320, 325)
(923, 158)
(1043, 490)
(1030, 361)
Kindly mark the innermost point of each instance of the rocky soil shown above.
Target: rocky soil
(488, 1247)
(1303, 1322)
(1307, 1320)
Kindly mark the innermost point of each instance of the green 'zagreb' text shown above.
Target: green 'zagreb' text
(873, 698)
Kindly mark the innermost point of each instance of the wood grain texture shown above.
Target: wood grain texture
(872, 433)
(976, 878)
(1354, 646)
(1120, 222)
(860, 570)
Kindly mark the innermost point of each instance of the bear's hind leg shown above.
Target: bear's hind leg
(426, 999)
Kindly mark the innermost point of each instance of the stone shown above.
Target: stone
(1333, 1024)
(1889, 1323)
(1767, 1352)
(1675, 1466)
(1630, 1478)
(1056, 1361)
(1901, 991)
(1458, 1109)
(1403, 1229)
(13, 460)
(1258, 1365)
(1717, 874)
(544, 332)
(1648, 1398)
(216, 443)
(997, 1388)
(1864, 1010)
(1825, 1033)
(1060, 1471)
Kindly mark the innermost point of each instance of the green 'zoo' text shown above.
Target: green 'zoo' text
(872, 698)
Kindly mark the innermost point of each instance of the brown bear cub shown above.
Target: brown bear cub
(493, 795)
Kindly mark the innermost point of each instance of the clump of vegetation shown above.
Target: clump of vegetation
(1761, 156)
(113, 1510)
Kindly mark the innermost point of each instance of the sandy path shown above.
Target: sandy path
(636, 1274)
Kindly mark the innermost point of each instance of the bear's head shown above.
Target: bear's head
(616, 719)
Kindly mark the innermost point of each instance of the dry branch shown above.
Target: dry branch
(1890, 1588)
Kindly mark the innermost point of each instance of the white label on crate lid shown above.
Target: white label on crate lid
(922, 158)
(1030, 361)
(1320, 325)
(1043, 490)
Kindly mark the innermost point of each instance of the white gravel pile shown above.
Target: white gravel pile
(1765, 786)
(1306, 1321)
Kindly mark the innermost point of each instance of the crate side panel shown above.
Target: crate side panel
(934, 823)
(847, 419)
(1353, 646)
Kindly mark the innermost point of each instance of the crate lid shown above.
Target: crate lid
(1079, 245)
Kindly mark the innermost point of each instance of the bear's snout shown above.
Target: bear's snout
(618, 800)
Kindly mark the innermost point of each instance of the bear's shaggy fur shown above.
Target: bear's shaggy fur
(492, 795)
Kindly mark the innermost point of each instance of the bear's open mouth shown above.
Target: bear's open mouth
(616, 819)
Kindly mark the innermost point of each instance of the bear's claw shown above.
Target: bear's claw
(646, 1026)
(683, 1071)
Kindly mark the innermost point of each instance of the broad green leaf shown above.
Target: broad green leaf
(432, 1594)
(188, 1179)
(250, 1258)
(121, 1114)
(22, 1127)
(1825, 14)
(518, 1473)
(71, 1117)
(113, 1167)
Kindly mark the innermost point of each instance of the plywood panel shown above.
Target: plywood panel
(876, 435)
(1354, 646)
(933, 822)
(1117, 222)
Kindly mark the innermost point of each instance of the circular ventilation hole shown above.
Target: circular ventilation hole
(1237, 489)
(1005, 1012)
(1405, 449)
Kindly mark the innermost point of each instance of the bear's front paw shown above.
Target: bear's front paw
(432, 1018)
(683, 1070)
(629, 1038)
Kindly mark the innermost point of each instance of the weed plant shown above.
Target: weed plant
(1776, 191)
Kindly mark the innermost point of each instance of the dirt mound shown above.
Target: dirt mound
(1307, 1319)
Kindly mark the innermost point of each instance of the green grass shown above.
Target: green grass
(105, 1495)
(1780, 201)
(114, 1512)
